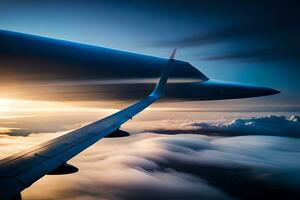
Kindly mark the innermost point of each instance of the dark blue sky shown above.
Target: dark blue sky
(255, 42)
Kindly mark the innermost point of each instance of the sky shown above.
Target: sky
(232, 149)
(253, 42)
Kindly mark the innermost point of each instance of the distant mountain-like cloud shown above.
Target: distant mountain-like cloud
(269, 125)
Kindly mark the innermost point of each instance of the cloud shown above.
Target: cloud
(76, 64)
(272, 53)
(11, 144)
(15, 131)
(151, 166)
(189, 165)
(124, 171)
(248, 41)
(233, 32)
(269, 125)
(45, 118)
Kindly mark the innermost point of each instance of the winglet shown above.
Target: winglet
(160, 86)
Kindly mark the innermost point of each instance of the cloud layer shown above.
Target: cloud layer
(149, 166)
(187, 165)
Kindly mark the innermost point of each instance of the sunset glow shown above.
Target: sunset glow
(139, 100)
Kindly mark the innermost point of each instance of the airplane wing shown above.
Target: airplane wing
(19, 171)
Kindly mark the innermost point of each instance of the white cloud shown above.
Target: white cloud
(269, 125)
(152, 166)
(177, 166)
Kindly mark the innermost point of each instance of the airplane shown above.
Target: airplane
(21, 170)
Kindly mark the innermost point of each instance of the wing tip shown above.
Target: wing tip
(173, 54)
(161, 84)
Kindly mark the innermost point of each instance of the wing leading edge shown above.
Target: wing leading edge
(21, 170)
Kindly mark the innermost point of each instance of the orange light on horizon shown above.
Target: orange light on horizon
(9, 106)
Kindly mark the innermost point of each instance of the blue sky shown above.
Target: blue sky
(253, 42)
